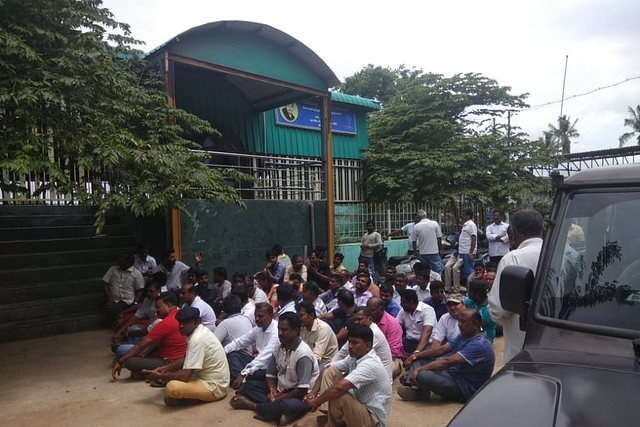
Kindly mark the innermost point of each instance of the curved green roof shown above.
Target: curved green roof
(367, 103)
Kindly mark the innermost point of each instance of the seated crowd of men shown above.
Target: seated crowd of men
(298, 335)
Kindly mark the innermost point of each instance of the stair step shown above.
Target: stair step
(25, 292)
(53, 307)
(13, 221)
(44, 210)
(45, 259)
(37, 233)
(58, 273)
(69, 323)
(66, 244)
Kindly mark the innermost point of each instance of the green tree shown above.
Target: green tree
(634, 123)
(435, 141)
(74, 96)
(376, 82)
(561, 136)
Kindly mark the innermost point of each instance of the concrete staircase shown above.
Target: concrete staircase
(51, 265)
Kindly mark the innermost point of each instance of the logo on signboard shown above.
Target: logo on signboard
(289, 112)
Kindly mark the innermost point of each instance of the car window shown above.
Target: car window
(594, 276)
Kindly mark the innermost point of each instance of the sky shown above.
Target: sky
(521, 44)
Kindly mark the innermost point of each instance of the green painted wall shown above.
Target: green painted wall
(244, 51)
(237, 238)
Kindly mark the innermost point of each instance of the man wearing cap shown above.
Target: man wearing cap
(203, 374)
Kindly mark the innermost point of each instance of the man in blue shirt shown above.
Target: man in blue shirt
(386, 295)
(467, 363)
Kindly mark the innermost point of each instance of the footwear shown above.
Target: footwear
(408, 393)
(322, 420)
(158, 383)
(136, 376)
(288, 419)
(170, 401)
(404, 379)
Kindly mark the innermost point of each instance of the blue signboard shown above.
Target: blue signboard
(306, 115)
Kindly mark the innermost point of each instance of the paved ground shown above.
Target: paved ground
(65, 381)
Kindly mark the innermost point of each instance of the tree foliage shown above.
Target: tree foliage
(75, 98)
(634, 123)
(376, 82)
(560, 138)
(436, 141)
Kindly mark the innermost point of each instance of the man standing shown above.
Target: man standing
(468, 240)
(453, 265)
(123, 285)
(498, 238)
(467, 364)
(427, 242)
(265, 337)
(291, 371)
(360, 398)
(525, 233)
(371, 242)
(203, 374)
(408, 228)
(190, 297)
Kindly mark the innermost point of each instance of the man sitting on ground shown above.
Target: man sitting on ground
(173, 269)
(360, 398)
(220, 282)
(297, 266)
(203, 374)
(311, 293)
(337, 266)
(232, 327)
(437, 300)
(189, 295)
(265, 337)
(164, 343)
(446, 330)
(418, 320)
(285, 300)
(361, 291)
(342, 316)
(386, 295)
(362, 316)
(330, 297)
(467, 364)
(422, 284)
(478, 300)
(291, 371)
(123, 285)
(317, 334)
(392, 332)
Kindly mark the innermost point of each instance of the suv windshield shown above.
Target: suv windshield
(594, 276)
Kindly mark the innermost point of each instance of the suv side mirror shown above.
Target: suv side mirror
(516, 285)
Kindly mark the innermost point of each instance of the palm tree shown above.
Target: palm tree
(634, 123)
(561, 136)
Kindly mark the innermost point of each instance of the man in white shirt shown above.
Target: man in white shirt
(265, 337)
(408, 228)
(498, 238)
(362, 316)
(123, 285)
(143, 262)
(467, 243)
(427, 242)
(418, 320)
(173, 269)
(525, 232)
(190, 297)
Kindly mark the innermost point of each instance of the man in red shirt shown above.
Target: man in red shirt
(163, 344)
